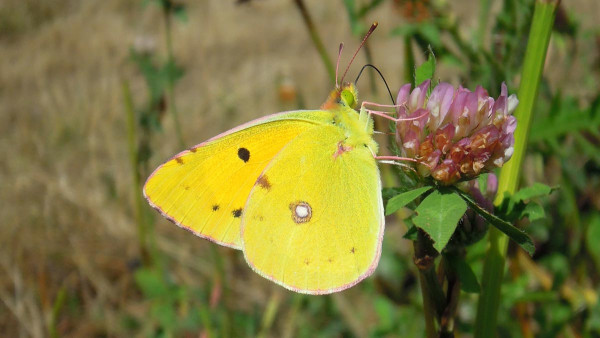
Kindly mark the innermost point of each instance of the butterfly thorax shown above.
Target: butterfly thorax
(358, 127)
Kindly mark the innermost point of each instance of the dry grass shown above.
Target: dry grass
(65, 184)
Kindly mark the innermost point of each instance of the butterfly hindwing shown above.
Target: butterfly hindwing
(204, 189)
(314, 221)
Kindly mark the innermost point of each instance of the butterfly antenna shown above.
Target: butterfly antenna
(382, 77)
(373, 26)
(337, 64)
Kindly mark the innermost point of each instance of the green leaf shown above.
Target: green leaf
(399, 201)
(516, 234)
(536, 190)
(565, 117)
(426, 70)
(164, 313)
(388, 193)
(411, 234)
(438, 215)
(404, 30)
(432, 33)
(533, 211)
(365, 9)
(468, 280)
(356, 26)
(151, 283)
(386, 311)
(180, 12)
(482, 180)
(592, 238)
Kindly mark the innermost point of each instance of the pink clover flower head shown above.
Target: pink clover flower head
(454, 133)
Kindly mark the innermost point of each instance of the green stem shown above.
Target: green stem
(59, 302)
(484, 11)
(493, 270)
(316, 39)
(433, 296)
(269, 314)
(134, 159)
(219, 281)
(171, 79)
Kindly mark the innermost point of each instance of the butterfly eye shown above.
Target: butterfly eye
(347, 98)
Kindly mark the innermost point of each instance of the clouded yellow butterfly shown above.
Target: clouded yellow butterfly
(299, 192)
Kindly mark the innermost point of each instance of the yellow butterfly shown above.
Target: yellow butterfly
(299, 192)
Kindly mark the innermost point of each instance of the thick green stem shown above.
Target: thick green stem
(316, 39)
(493, 270)
(433, 296)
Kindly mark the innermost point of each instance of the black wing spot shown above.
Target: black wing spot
(215, 207)
(353, 250)
(244, 154)
(237, 213)
(193, 150)
(179, 160)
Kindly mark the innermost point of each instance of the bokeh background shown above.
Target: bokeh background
(71, 258)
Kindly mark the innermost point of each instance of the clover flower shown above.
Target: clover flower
(455, 134)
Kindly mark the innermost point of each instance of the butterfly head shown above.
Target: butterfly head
(344, 96)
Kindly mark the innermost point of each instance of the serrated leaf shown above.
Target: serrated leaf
(527, 193)
(468, 280)
(403, 199)
(514, 233)
(426, 70)
(438, 215)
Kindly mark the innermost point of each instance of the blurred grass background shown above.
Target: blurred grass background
(70, 263)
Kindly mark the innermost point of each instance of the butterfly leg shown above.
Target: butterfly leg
(400, 164)
(385, 114)
(389, 159)
(395, 160)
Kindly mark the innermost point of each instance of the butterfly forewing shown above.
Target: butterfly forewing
(314, 221)
(204, 189)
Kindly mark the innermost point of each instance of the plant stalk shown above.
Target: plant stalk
(316, 39)
(433, 296)
(171, 80)
(484, 12)
(533, 64)
(137, 188)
